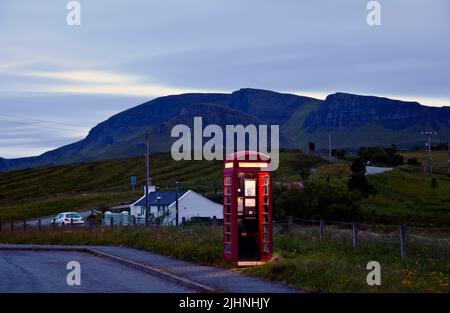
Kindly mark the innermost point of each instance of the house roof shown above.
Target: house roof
(165, 197)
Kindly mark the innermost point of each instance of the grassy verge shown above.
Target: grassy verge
(300, 259)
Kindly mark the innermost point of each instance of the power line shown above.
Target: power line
(37, 120)
(37, 125)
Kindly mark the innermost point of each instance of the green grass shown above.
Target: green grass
(405, 195)
(64, 202)
(300, 258)
(39, 192)
(440, 159)
(334, 266)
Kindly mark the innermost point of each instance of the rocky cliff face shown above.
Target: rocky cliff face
(355, 121)
(347, 111)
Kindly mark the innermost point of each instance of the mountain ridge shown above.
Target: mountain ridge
(354, 121)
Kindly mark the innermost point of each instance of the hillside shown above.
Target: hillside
(354, 121)
(404, 195)
(44, 191)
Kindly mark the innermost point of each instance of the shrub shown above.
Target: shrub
(413, 161)
(317, 200)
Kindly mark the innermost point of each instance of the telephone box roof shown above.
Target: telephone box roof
(248, 156)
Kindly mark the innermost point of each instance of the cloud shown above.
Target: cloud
(87, 76)
(97, 82)
(125, 53)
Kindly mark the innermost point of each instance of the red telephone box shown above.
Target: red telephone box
(247, 208)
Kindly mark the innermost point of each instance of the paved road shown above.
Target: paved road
(45, 271)
(217, 278)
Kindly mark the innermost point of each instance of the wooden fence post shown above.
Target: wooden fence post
(183, 222)
(322, 226)
(402, 241)
(24, 225)
(112, 222)
(290, 220)
(354, 234)
(214, 221)
(39, 224)
(12, 226)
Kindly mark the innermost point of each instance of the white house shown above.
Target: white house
(190, 204)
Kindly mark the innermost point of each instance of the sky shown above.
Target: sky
(57, 81)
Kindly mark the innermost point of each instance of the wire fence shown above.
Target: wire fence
(406, 239)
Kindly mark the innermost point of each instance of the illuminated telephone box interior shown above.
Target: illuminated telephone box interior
(247, 208)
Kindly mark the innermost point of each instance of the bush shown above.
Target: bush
(358, 181)
(413, 161)
(317, 200)
(384, 156)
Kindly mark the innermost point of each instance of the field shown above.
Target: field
(440, 159)
(44, 191)
(404, 195)
(300, 258)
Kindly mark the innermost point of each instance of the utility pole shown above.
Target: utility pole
(430, 159)
(147, 175)
(448, 157)
(176, 201)
(329, 144)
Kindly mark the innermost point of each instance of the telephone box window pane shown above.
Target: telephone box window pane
(250, 202)
(228, 228)
(228, 200)
(266, 190)
(266, 228)
(228, 238)
(266, 237)
(227, 181)
(266, 200)
(228, 190)
(266, 218)
(250, 188)
(240, 206)
(266, 247)
(229, 219)
(228, 247)
(266, 181)
(228, 208)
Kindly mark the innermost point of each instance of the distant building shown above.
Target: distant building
(373, 170)
(163, 203)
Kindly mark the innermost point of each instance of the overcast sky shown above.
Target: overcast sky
(57, 81)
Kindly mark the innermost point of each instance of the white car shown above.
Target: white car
(68, 218)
